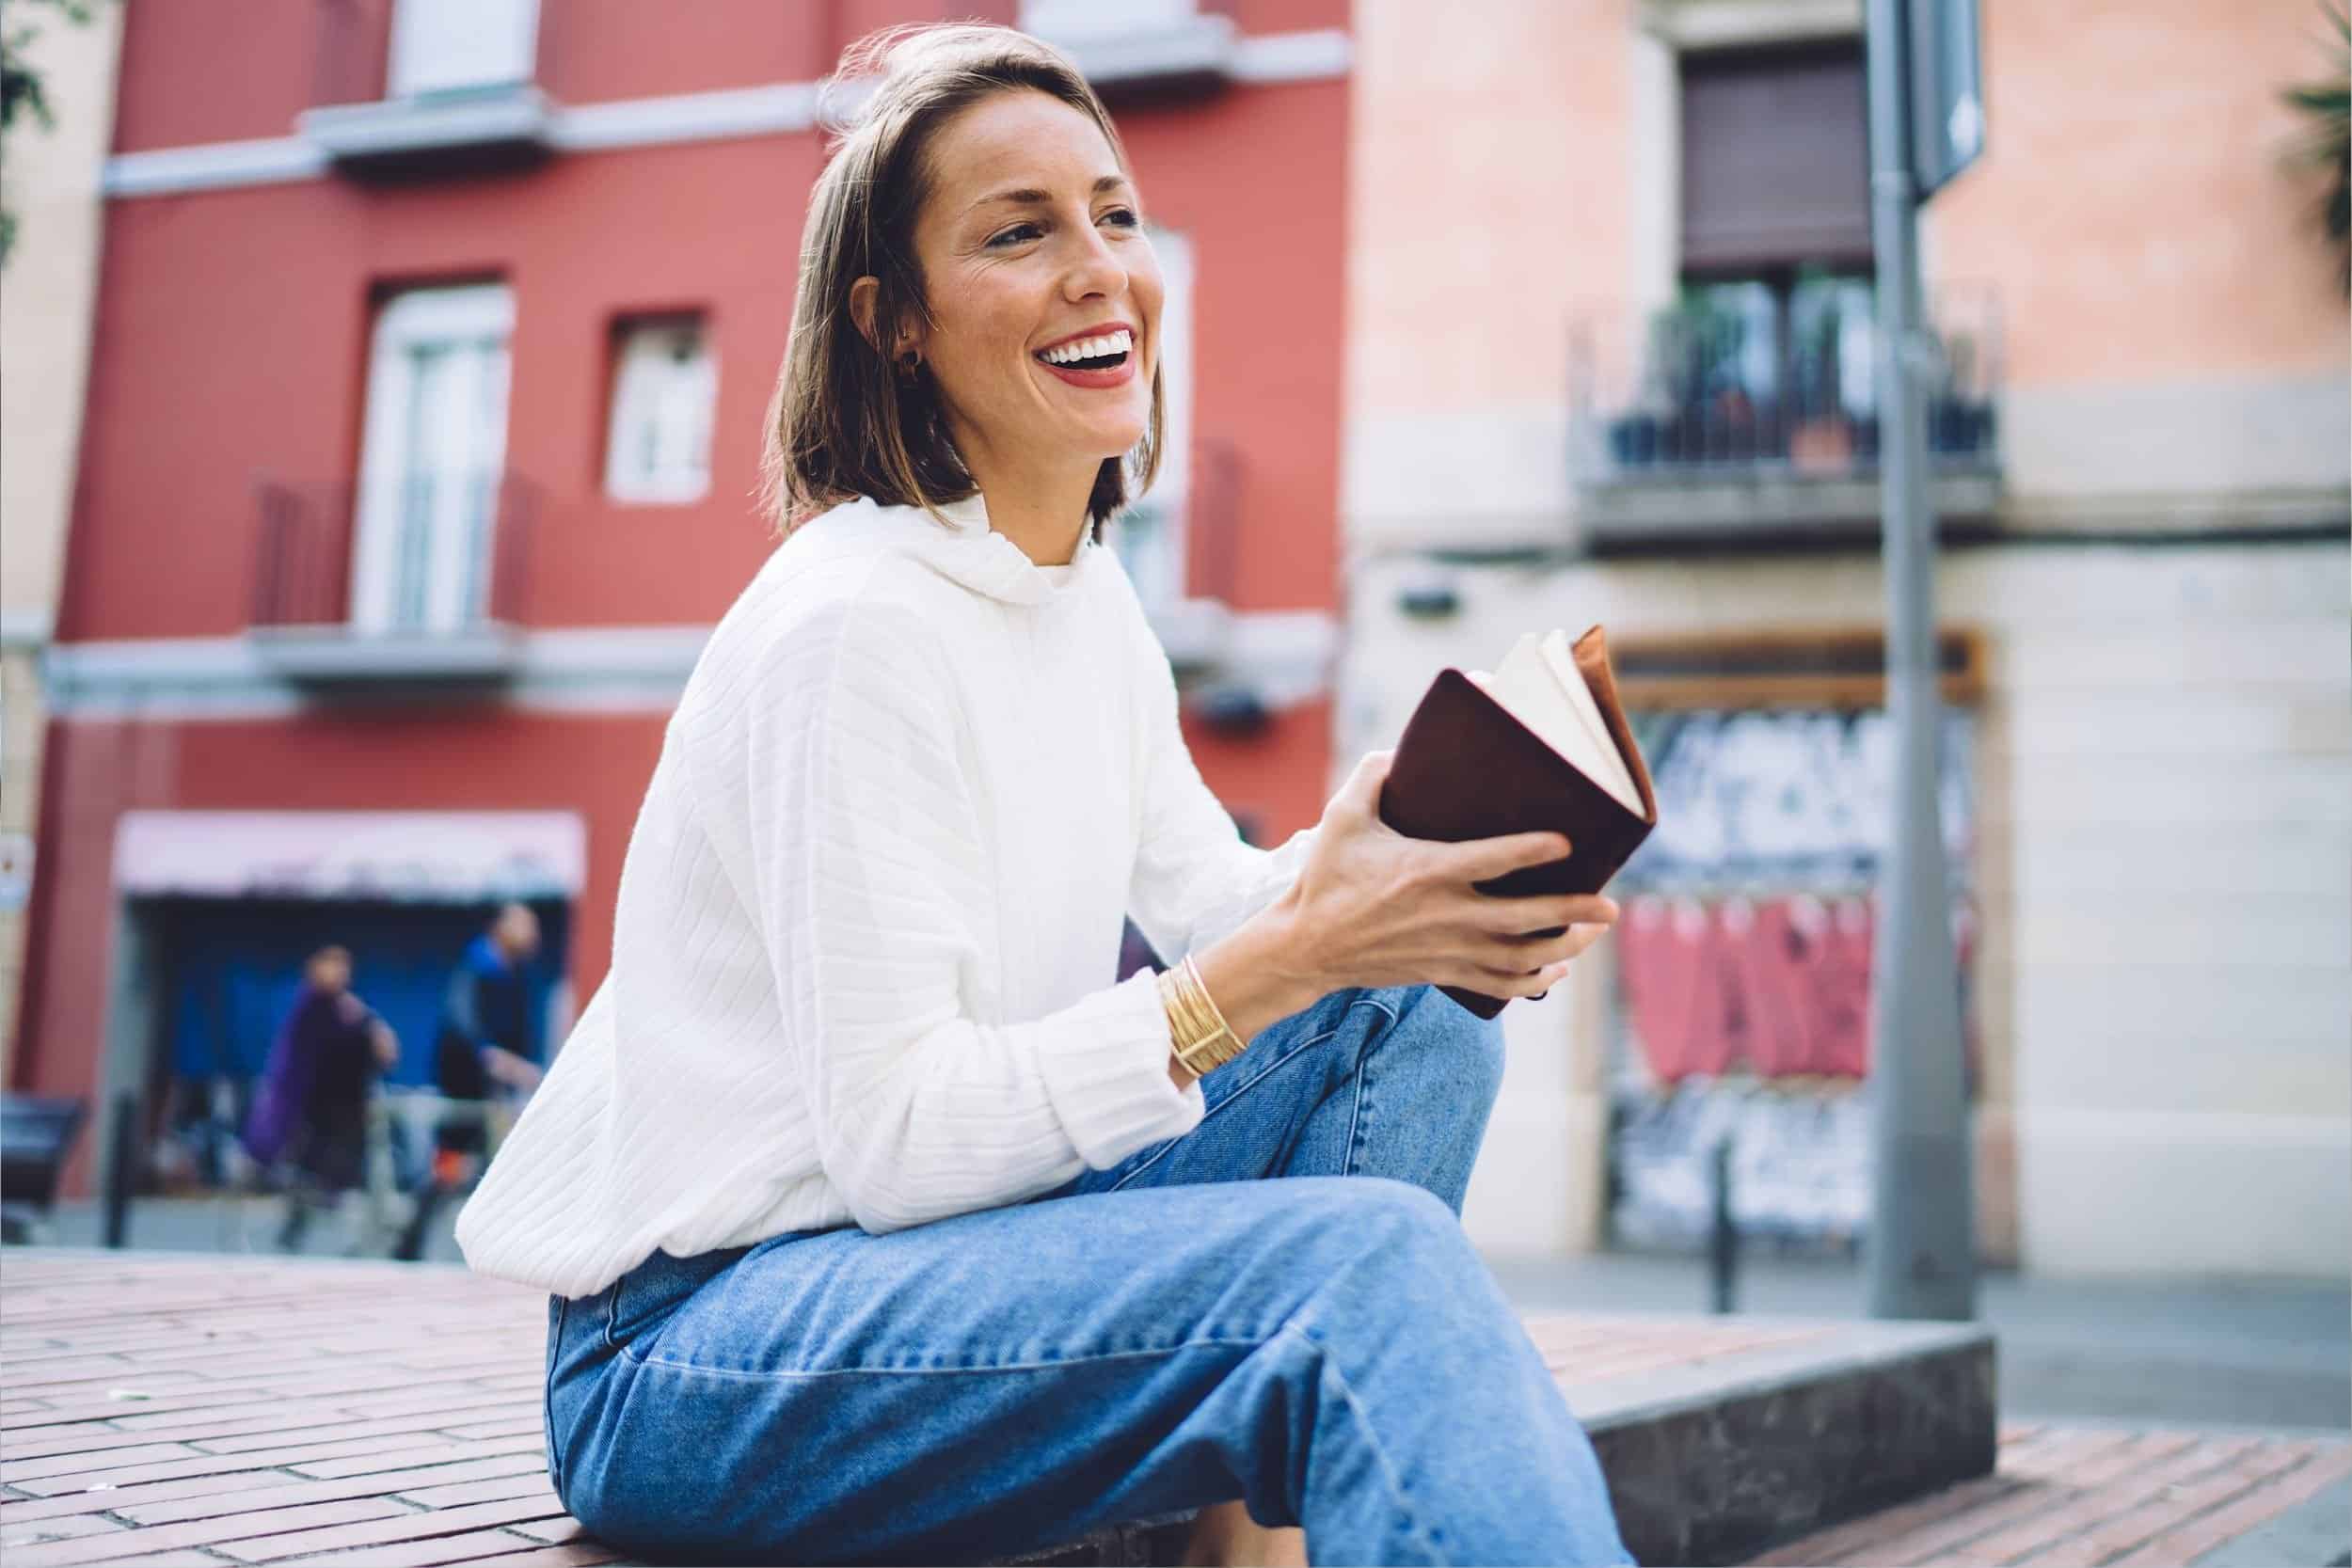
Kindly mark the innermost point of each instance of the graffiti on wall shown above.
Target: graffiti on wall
(1741, 1006)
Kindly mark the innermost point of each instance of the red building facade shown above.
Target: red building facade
(434, 341)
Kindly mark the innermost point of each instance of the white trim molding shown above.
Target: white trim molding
(599, 669)
(780, 108)
(1744, 24)
(1314, 54)
(213, 166)
(26, 626)
(1285, 656)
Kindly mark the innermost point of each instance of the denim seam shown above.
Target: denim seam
(1355, 1121)
(1209, 1343)
(611, 1329)
(1372, 1438)
(1277, 1065)
(547, 1397)
(1272, 1067)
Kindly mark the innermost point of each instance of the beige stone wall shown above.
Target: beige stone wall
(2164, 804)
(2173, 347)
(2171, 318)
(50, 179)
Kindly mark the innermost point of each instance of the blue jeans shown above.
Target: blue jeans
(1279, 1306)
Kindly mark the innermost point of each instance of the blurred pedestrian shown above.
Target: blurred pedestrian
(312, 1110)
(485, 1051)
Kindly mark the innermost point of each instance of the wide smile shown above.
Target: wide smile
(1105, 360)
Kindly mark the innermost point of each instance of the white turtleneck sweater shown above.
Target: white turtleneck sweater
(870, 914)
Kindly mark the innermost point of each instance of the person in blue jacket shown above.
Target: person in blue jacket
(484, 1049)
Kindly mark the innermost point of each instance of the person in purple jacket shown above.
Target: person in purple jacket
(311, 1110)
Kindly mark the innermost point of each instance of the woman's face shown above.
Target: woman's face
(1030, 241)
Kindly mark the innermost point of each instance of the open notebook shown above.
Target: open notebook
(1540, 745)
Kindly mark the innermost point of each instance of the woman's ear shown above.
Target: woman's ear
(865, 294)
(862, 296)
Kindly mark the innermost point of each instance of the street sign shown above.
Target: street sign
(1946, 91)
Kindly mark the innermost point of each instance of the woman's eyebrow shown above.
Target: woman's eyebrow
(1028, 196)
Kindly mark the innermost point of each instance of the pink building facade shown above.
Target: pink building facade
(433, 343)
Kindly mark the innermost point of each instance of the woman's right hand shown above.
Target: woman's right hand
(1373, 907)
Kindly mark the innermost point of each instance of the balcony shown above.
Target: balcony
(417, 586)
(1137, 48)
(433, 89)
(1182, 557)
(1707, 425)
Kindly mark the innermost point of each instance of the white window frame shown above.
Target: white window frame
(622, 481)
(456, 574)
(445, 45)
(1155, 554)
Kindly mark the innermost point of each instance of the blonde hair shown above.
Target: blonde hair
(843, 423)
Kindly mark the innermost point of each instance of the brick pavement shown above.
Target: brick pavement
(2071, 1498)
(166, 1409)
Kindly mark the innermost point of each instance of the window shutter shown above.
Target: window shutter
(1775, 160)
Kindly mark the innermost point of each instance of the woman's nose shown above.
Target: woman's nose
(1095, 269)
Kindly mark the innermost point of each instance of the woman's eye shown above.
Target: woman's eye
(1017, 235)
(1123, 216)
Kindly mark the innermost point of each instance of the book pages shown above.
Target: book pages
(1540, 686)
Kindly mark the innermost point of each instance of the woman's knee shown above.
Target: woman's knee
(1379, 1221)
(1468, 1047)
(1390, 1258)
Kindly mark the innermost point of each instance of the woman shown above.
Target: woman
(877, 1226)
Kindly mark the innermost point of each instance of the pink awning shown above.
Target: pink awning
(418, 856)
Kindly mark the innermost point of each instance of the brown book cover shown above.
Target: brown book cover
(1466, 768)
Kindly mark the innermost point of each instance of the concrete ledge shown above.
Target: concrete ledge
(1724, 1438)
(1716, 1461)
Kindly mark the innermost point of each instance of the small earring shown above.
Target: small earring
(909, 364)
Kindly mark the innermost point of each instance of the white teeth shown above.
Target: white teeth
(1121, 341)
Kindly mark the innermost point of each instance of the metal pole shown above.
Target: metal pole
(1723, 1252)
(1921, 1246)
(121, 1161)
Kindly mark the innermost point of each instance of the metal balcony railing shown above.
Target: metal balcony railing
(439, 594)
(1740, 417)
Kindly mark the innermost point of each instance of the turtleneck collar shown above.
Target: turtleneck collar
(972, 553)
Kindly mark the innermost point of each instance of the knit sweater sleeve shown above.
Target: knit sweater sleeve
(869, 871)
(1195, 879)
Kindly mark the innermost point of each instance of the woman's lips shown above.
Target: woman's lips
(1116, 375)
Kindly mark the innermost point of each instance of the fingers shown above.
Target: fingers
(1478, 859)
(1361, 792)
(1544, 912)
(1518, 955)
(1513, 982)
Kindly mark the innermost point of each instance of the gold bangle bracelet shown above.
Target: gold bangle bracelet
(1200, 1038)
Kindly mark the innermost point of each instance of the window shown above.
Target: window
(1149, 535)
(1767, 354)
(432, 459)
(1775, 160)
(440, 45)
(665, 382)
